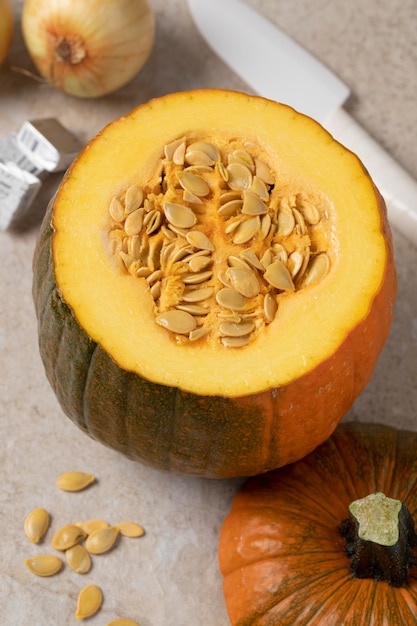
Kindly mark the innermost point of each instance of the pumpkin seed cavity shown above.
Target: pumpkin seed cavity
(220, 240)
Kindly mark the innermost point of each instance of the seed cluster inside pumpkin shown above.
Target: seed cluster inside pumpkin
(220, 238)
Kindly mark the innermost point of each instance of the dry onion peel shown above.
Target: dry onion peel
(88, 49)
(6, 28)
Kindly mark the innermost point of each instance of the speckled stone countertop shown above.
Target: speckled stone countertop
(170, 576)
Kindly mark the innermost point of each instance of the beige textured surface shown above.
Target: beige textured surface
(170, 577)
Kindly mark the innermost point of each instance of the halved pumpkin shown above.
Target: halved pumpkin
(214, 282)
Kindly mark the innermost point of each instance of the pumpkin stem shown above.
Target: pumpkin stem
(380, 537)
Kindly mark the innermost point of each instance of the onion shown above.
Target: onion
(6, 28)
(88, 48)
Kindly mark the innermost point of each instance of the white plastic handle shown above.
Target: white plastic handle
(397, 187)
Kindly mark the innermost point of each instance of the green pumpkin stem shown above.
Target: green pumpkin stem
(380, 537)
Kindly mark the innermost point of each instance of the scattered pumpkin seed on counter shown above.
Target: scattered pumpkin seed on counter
(130, 529)
(98, 537)
(67, 536)
(74, 481)
(91, 525)
(101, 540)
(78, 558)
(44, 564)
(89, 601)
(36, 524)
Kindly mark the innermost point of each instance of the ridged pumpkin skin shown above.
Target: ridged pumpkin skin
(178, 429)
(280, 550)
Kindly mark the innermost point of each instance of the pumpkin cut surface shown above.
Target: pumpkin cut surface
(281, 550)
(218, 274)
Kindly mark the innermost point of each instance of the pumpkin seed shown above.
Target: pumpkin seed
(89, 601)
(310, 213)
(179, 154)
(259, 188)
(154, 276)
(199, 263)
(74, 481)
(179, 215)
(78, 558)
(36, 524)
(193, 309)
(230, 299)
(239, 176)
(197, 295)
(251, 258)
(295, 262)
(278, 276)
(223, 279)
(263, 172)
(179, 322)
(133, 198)
(101, 540)
(187, 196)
(237, 261)
(299, 221)
(198, 333)
(246, 230)
(152, 221)
(222, 170)
(202, 153)
(230, 208)
(266, 223)
(233, 223)
(194, 183)
(229, 196)
(241, 156)
(168, 233)
(235, 342)
(130, 529)
(231, 329)
(143, 272)
(244, 281)
(195, 279)
(67, 536)
(199, 240)
(286, 222)
(156, 290)
(252, 204)
(88, 526)
(317, 269)
(279, 252)
(270, 307)
(180, 252)
(170, 148)
(134, 222)
(116, 210)
(44, 564)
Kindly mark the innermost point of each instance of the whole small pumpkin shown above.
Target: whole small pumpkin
(282, 548)
(214, 283)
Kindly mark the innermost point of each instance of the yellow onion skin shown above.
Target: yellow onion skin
(6, 28)
(88, 48)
